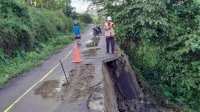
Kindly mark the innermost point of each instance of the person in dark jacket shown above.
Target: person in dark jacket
(99, 30)
(77, 33)
(96, 30)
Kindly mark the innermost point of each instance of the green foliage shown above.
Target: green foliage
(54, 5)
(29, 35)
(15, 25)
(11, 67)
(49, 24)
(162, 38)
(48, 4)
(85, 18)
(70, 12)
(166, 46)
(24, 28)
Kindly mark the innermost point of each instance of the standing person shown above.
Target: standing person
(77, 33)
(109, 34)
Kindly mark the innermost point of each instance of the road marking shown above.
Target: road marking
(11, 106)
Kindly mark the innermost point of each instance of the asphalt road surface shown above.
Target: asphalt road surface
(32, 91)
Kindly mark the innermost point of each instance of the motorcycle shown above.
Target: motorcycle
(97, 31)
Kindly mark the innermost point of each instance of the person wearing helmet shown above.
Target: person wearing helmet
(109, 34)
(77, 33)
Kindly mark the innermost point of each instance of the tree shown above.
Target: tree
(59, 5)
(86, 18)
(162, 38)
(70, 12)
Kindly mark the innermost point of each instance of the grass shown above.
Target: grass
(13, 67)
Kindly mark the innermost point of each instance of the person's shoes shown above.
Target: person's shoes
(107, 52)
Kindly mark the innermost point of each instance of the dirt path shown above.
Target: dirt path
(79, 85)
(91, 52)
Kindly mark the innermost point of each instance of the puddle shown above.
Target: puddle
(80, 83)
(48, 89)
(91, 52)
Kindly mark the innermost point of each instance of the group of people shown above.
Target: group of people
(109, 34)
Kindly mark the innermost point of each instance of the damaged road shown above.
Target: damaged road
(129, 95)
(42, 90)
(80, 83)
(100, 83)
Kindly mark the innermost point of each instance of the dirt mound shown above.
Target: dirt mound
(91, 52)
(80, 83)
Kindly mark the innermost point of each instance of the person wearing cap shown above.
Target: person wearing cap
(109, 34)
(77, 33)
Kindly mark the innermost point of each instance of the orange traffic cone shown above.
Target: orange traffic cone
(77, 58)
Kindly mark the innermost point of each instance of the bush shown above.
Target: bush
(47, 24)
(11, 67)
(25, 29)
(15, 32)
(85, 18)
(162, 38)
(27, 36)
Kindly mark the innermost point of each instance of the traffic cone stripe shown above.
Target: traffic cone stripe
(77, 58)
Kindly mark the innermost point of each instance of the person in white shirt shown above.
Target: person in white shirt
(109, 34)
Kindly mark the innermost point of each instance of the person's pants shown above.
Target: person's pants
(108, 42)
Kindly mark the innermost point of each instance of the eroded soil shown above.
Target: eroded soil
(48, 89)
(80, 83)
(91, 52)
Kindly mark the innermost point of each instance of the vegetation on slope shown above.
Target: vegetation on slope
(29, 35)
(162, 39)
